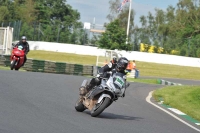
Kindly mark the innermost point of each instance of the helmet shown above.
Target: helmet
(114, 59)
(122, 64)
(23, 38)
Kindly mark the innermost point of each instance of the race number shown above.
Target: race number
(119, 81)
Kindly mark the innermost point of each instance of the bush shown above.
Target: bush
(198, 52)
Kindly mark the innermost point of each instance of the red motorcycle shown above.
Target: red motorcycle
(17, 58)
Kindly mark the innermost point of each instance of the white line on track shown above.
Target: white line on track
(149, 101)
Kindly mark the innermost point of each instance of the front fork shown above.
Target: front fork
(102, 97)
(14, 58)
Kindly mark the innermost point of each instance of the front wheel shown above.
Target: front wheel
(79, 106)
(99, 108)
(12, 65)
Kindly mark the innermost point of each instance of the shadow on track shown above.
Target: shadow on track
(106, 115)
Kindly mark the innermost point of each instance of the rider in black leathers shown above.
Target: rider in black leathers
(25, 46)
(119, 66)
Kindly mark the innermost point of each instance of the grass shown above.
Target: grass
(8, 68)
(168, 71)
(147, 81)
(63, 57)
(184, 98)
(146, 69)
(4, 68)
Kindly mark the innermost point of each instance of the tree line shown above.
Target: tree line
(175, 29)
(44, 20)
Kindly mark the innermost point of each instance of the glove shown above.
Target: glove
(110, 72)
(99, 75)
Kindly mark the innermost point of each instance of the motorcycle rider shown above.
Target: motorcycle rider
(114, 65)
(25, 46)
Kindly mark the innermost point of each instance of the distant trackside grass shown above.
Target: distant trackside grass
(8, 68)
(168, 71)
(4, 68)
(63, 57)
(147, 81)
(184, 98)
(146, 69)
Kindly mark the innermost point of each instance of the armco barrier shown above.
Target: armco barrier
(164, 82)
(51, 67)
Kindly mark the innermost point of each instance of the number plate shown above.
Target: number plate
(119, 81)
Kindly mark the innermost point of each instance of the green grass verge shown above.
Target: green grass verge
(146, 69)
(184, 98)
(8, 68)
(147, 81)
(4, 68)
(168, 71)
(62, 57)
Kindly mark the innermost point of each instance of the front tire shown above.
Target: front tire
(98, 109)
(13, 64)
(79, 106)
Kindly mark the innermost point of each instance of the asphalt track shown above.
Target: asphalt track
(44, 103)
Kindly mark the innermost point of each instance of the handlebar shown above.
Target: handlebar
(18, 48)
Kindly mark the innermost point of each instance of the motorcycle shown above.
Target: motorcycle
(17, 58)
(103, 95)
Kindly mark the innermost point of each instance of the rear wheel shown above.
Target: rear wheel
(12, 65)
(79, 106)
(16, 69)
(99, 108)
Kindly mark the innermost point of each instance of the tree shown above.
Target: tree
(122, 16)
(113, 10)
(94, 40)
(3, 13)
(136, 37)
(8, 13)
(176, 29)
(114, 37)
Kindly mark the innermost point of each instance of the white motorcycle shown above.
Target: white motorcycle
(102, 96)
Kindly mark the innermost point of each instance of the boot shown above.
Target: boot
(82, 91)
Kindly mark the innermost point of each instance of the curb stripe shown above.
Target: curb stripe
(164, 110)
(164, 82)
(185, 116)
(177, 111)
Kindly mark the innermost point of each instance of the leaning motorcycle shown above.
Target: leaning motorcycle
(17, 58)
(103, 95)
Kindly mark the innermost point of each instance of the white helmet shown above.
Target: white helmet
(24, 38)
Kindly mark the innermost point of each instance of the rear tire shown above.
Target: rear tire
(79, 106)
(12, 66)
(98, 110)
